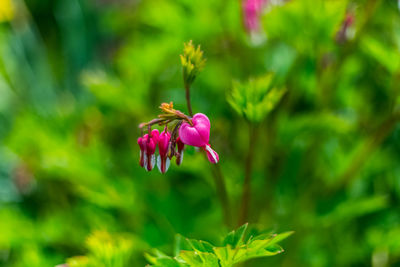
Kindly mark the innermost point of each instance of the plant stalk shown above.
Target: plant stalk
(222, 194)
(367, 150)
(189, 105)
(246, 193)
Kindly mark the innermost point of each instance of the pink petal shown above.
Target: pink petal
(163, 164)
(211, 154)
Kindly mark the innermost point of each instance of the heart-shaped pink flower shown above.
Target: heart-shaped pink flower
(198, 134)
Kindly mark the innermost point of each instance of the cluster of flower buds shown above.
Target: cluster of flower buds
(185, 131)
(192, 62)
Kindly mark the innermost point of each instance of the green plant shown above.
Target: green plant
(236, 247)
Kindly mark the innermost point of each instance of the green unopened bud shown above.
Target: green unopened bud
(192, 62)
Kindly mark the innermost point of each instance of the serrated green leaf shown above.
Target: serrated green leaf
(274, 249)
(278, 238)
(255, 98)
(169, 262)
(260, 243)
(191, 258)
(224, 254)
(235, 237)
(202, 259)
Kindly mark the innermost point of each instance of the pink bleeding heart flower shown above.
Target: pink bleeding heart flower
(198, 135)
(150, 144)
(163, 144)
(181, 147)
(142, 148)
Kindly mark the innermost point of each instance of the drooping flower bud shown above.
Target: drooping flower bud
(179, 154)
(150, 144)
(163, 145)
(198, 135)
(142, 153)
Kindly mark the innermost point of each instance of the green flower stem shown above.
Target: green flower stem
(246, 193)
(189, 106)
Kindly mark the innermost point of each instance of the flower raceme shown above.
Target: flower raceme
(186, 131)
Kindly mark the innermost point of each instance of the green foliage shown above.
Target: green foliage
(313, 23)
(235, 249)
(105, 250)
(256, 98)
(386, 56)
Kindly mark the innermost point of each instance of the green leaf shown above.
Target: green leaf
(225, 255)
(202, 259)
(235, 238)
(383, 54)
(169, 262)
(254, 99)
(279, 237)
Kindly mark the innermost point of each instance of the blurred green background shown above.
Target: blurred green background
(78, 76)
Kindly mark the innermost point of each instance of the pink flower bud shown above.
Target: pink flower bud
(181, 147)
(142, 154)
(150, 144)
(163, 144)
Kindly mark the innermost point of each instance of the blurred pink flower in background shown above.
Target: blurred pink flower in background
(252, 10)
(345, 32)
